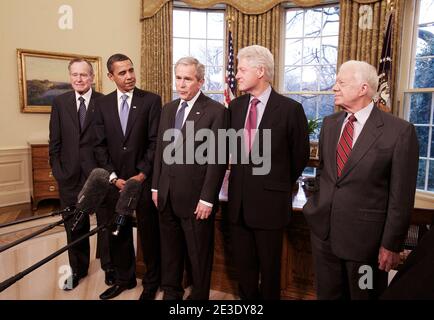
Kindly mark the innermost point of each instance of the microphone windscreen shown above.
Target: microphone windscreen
(129, 197)
(94, 190)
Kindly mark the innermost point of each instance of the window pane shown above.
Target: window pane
(330, 21)
(180, 49)
(420, 107)
(424, 73)
(294, 23)
(292, 78)
(292, 52)
(311, 52)
(198, 50)
(214, 78)
(327, 78)
(422, 136)
(180, 23)
(216, 97)
(215, 53)
(431, 176)
(329, 50)
(309, 79)
(421, 175)
(327, 105)
(197, 24)
(426, 11)
(309, 103)
(215, 25)
(312, 22)
(425, 41)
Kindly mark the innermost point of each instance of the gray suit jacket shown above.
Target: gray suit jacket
(370, 204)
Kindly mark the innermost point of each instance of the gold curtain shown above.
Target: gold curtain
(262, 29)
(359, 42)
(150, 7)
(156, 52)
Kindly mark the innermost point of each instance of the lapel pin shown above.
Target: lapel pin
(198, 112)
(134, 107)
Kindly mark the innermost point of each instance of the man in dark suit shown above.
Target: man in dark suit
(72, 158)
(126, 131)
(187, 192)
(259, 205)
(360, 212)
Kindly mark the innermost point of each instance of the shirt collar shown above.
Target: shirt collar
(263, 97)
(192, 101)
(363, 114)
(128, 93)
(86, 96)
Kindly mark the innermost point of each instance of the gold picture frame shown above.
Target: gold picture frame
(43, 75)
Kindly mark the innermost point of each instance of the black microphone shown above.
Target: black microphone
(127, 203)
(91, 195)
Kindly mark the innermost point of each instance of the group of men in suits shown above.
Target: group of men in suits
(130, 135)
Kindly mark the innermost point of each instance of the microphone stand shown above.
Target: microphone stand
(34, 234)
(52, 214)
(8, 282)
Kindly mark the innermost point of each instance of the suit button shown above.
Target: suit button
(338, 186)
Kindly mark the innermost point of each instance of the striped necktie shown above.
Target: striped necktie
(345, 144)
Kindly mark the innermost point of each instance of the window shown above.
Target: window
(311, 50)
(419, 90)
(200, 33)
(311, 43)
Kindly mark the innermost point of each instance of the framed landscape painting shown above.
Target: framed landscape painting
(44, 75)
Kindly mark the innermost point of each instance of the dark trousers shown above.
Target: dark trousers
(122, 246)
(338, 279)
(79, 254)
(257, 256)
(181, 236)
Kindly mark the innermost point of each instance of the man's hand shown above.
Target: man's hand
(140, 177)
(155, 198)
(120, 184)
(202, 211)
(388, 259)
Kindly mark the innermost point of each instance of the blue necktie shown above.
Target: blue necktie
(180, 117)
(125, 109)
(81, 112)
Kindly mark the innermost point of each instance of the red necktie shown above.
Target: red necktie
(251, 125)
(345, 144)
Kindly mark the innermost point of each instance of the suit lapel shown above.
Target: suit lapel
(370, 133)
(89, 113)
(112, 107)
(196, 112)
(333, 142)
(71, 106)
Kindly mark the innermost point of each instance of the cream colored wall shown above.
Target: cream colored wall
(100, 27)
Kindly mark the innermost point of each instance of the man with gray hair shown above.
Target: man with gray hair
(186, 191)
(365, 185)
(260, 204)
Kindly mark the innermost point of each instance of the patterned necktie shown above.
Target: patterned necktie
(251, 125)
(345, 144)
(125, 110)
(81, 112)
(179, 120)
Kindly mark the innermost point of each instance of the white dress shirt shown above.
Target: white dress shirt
(260, 107)
(85, 96)
(361, 118)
